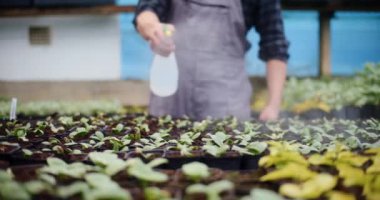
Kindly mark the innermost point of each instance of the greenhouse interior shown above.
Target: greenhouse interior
(189, 99)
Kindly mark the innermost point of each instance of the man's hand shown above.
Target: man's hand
(276, 75)
(269, 113)
(151, 29)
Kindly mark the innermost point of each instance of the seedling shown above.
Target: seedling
(216, 144)
(57, 166)
(145, 172)
(196, 171)
(109, 162)
(212, 191)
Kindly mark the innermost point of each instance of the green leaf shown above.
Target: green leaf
(257, 147)
(157, 162)
(56, 162)
(196, 171)
(5, 176)
(110, 162)
(13, 191)
(35, 187)
(219, 138)
(79, 132)
(144, 172)
(98, 180)
(353, 142)
(263, 194)
(104, 188)
(107, 193)
(48, 179)
(215, 150)
(99, 135)
(212, 191)
(118, 128)
(70, 190)
(154, 193)
(59, 167)
(27, 152)
(241, 150)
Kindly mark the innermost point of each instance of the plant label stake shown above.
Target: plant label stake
(164, 70)
(12, 113)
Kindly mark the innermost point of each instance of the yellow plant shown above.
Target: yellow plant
(282, 153)
(335, 195)
(337, 156)
(352, 176)
(290, 171)
(375, 167)
(310, 189)
(311, 104)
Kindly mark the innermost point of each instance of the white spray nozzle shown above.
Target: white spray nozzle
(12, 113)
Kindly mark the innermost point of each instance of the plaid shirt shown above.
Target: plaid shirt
(264, 15)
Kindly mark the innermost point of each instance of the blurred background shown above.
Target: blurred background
(88, 51)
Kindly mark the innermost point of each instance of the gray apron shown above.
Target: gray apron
(210, 47)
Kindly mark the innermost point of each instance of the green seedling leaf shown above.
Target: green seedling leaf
(66, 192)
(13, 191)
(157, 162)
(58, 167)
(241, 150)
(219, 138)
(27, 152)
(305, 149)
(263, 194)
(196, 171)
(79, 132)
(144, 172)
(66, 121)
(98, 136)
(353, 142)
(212, 191)
(257, 147)
(5, 176)
(108, 161)
(118, 129)
(36, 187)
(47, 179)
(154, 193)
(215, 150)
(56, 162)
(55, 129)
(104, 188)
(98, 180)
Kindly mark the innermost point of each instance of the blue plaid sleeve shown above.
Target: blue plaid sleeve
(160, 7)
(269, 24)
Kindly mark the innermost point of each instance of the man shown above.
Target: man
(210, 45)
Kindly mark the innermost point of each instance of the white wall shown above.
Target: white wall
(85, 47)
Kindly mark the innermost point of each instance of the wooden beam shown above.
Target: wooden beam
(325, 43)
(94, 10)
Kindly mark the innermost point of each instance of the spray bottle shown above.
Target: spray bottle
(164, 70)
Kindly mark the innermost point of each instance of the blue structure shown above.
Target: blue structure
(355, 41)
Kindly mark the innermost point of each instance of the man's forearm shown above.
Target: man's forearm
(276, 76)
